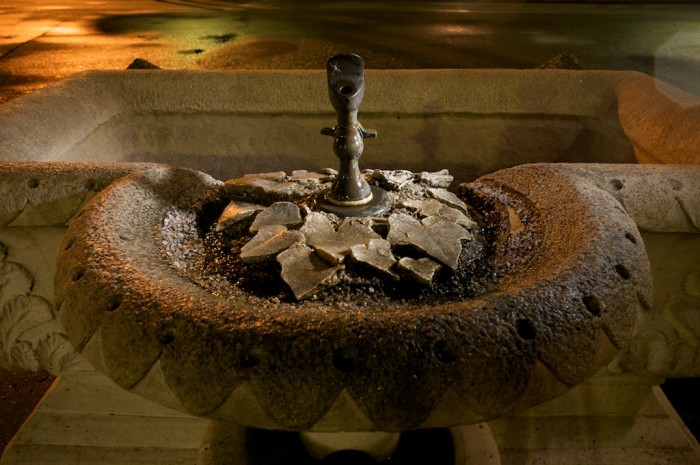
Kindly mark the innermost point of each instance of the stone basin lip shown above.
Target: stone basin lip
(200, 119)
(552, 322)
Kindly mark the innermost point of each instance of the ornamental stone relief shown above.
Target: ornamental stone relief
(30, 336)
(668, 343)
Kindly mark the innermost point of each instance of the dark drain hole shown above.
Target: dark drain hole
(443, 352)
(114, 303)
(592, 304)
(622, 271)
(617, 184)
(526, 330)
(69, 243)
(249, 360)
(343, 360)
(78, 274)
(167, 335)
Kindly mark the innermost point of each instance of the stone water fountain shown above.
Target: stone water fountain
(442, 320)
(168, 282)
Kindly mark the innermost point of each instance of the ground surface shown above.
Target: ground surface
(19, 395)
(42, 41)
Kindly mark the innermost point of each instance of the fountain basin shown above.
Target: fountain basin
(472, 122)
(561, 309)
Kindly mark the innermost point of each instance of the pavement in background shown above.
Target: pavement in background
(42, 41)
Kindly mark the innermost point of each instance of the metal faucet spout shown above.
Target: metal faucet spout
(346, 89)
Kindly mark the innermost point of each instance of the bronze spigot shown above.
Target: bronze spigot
(350, 194)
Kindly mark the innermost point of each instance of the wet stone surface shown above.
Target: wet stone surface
(376, 254)
(441, 179)
(238, 215)
(434, 237)
(270, 242)
(279, 213)
(422, 270)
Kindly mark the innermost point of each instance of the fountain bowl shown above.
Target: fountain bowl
(571, 273)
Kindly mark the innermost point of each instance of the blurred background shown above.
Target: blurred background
(42, 41)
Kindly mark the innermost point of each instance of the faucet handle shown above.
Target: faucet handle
(365, 133)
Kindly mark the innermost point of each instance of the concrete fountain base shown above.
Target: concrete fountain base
(613, 420)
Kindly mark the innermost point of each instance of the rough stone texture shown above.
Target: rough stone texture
(422, 270)
(304, 272)
(660, 198)
(284, 213)
(376, 254)
(37, 200)
(440, 240)
(538, 333)
(50, 194)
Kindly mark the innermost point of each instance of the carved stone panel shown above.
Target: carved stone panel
(30, 336)
(668, 343)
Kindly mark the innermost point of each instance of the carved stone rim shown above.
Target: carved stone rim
(560, 312)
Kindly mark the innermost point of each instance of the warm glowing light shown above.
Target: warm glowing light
(67, 30)
(459, 30)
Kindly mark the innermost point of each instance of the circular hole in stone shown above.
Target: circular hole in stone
(167, 335)
(675, 184)
(114, 303)
(78, 273)
(343, 360)
(33, 183)
(249, 360)
(630, 237)
(526, 330)
(443, 352)
(69, 243)
(592, 304)
(616, 184)
(346, 90)
(623, 271)
(89, 184)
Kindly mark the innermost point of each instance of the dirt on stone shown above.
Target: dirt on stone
(19, 395)
(216, 266)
